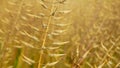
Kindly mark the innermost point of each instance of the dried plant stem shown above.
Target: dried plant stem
(45, 37)
(43, 44)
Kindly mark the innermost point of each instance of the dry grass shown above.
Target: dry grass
(59, 34)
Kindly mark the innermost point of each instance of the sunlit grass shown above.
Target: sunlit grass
(59, 34)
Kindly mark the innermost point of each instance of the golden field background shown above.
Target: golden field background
(59, 34)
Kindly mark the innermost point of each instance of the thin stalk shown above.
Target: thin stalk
(45, 37)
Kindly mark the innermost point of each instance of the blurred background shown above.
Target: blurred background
(59, 34)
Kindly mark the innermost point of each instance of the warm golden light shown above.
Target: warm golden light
(59, 34)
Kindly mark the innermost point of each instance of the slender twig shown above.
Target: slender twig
(45, 37)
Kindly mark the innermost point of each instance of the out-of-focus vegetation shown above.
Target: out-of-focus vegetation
(59, 34)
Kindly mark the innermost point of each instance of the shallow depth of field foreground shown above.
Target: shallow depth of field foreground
(59, 33)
